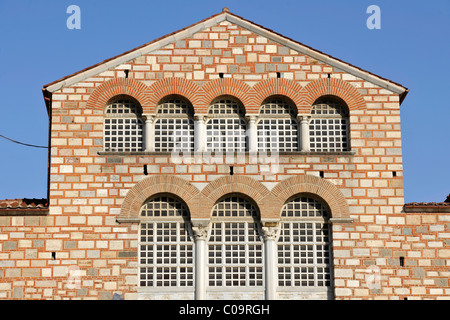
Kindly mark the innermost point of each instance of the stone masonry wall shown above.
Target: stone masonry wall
(80, 251)
(96, 257)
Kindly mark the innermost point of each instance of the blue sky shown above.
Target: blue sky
(411, 48)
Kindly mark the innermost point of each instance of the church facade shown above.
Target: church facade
(224, 161)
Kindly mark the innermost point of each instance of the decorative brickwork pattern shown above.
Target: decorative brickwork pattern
(337, 88)
(118, 86)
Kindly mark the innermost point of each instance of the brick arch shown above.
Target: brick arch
(227, 86)
(334, 87)
(315, 186)
(279, 86)
(174, 86)
(118, 86)
(244, 185)
(153, 185)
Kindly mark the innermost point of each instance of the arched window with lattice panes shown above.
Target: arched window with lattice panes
(277, 125)
(226, 126)
(304, 245)
(174, 125)
(235, 247)
(329, 125)
(122, 125)
(166, 257)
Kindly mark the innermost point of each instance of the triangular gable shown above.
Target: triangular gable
(225, 15)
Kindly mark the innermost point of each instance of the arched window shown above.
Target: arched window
(304, 244)
(226, 128)
(165, 246)
(277, 126)
(122, 127)
(329, 126)
(174, 126)
(235, 247)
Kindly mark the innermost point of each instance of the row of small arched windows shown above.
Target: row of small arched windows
(277, 127)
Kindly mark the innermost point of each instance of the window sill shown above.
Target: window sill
(246, 153)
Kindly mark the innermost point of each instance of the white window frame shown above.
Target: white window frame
(122, 125)
(177, 238)
(277, 126)
(245, 236)
(174, 125)
(312, 214)
(226, 126)
(329, 126)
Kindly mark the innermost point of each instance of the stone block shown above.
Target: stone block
(53, 245)
(241, 39)
(260, 68)
(70, 244)
(418, 272)
(18, 293)
(220, 44)
(105, 295)
(10, 245)
(444, 253)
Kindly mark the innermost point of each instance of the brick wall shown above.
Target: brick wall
(96, 257)
(80, 250)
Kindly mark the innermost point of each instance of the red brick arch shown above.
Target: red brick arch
(200, 204)
(118, 86)
(278, 86)
(244, 185)
(334, 87)
(316, 186)
(175, 86)
(227, 86)
(153, 185)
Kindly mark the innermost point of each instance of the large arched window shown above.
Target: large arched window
(174, 125)
(329, 126)
(122, 127)
(277, 126)
(166, 245)
(304, 244)
(235, 247)
(226, 127)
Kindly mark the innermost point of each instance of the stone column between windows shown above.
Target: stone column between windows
(200, 232)
(303, 134)
(270, 235)
(252, 133)
(149, 134)
(200, 133)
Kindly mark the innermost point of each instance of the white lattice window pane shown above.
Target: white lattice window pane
(226, 135)
(235, 248)
(175, 107)
(278, 107)
(328, 134)
(329, 127)
(165, 247)
(226, 108)
(234, 207)
(164, 206)
(304, 246)
(323, 277)
(122, 134)
(277, 135)
(304, 207)
(329, 107)
(277, 128)
(123, 106)
(174, 135)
